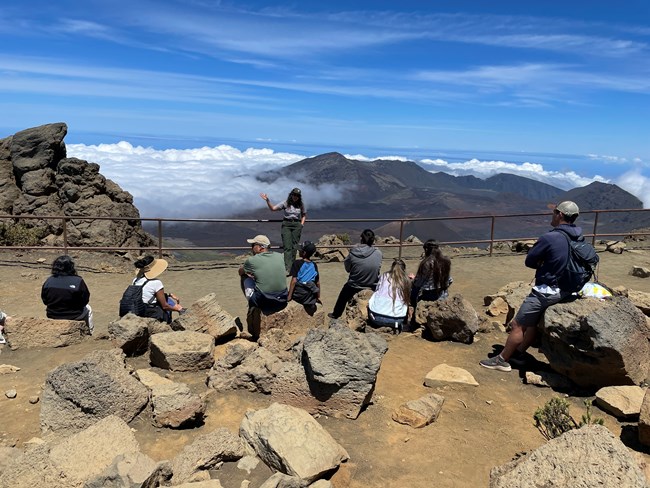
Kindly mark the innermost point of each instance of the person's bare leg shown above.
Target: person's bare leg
(515, 339)
(530, 334)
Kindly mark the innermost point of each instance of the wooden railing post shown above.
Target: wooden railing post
(492, 234)
(593, 238)
(160, 239)
(401, 235)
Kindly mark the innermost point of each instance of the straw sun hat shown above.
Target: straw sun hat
(154, 268)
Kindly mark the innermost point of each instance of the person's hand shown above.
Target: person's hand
(411, 276)
(264, 196)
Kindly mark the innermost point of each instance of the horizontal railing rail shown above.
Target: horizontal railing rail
(401, 244)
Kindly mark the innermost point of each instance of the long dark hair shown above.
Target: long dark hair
(63, 266)
(297, 203)
(142, 263)
(435, 266)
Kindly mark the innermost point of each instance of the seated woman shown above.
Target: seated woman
(66, 295)
(388, 305)
(3, 319)
(432, 280)
(305, 281)
(159, 305)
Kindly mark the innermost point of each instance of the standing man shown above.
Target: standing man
(549, 257)
(263, 282)
(363, 263)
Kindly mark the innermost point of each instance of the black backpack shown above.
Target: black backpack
(132, 300)
(581, 265)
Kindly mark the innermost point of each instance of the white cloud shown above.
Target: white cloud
(534, 171)
(215, 182)
(219, 182)
(637, 184)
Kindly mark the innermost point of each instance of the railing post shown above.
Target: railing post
(593, 238)
(160, 239)
(65, 237)
(492, 234)
(401, 235)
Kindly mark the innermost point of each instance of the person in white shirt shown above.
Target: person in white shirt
(159, 304)
(389, 304)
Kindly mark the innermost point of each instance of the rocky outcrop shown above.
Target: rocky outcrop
(597, 343)
(79, 394)
(644, 420)
(582, 458)
(333, 372)
(36, 178)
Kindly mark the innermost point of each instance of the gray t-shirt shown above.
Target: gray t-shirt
(291, 212)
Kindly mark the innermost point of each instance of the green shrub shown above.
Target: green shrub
(553, 419)
(344, 238)
(19, 235)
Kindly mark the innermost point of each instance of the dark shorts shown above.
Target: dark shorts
(532, 308)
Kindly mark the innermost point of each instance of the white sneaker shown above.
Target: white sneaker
(2, 339)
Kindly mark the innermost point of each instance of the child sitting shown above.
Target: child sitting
(305, 282)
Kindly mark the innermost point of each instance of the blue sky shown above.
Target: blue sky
(561, 84)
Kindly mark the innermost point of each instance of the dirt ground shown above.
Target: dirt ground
(478, 428)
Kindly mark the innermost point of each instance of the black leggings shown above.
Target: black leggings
(346, 294)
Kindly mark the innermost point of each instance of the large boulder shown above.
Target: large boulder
(452, 319)
(337, 374)
(37, 178)
(31, 332)
(335, 252)
(245, 367)
(512, 294)
(597, 343)
(205, 453)
(582, 458)
(78, 394)
(293, 320)
(130, 333)
(355, 315)
(128, 470)
(76, 459)
(289, 440)
(207, 316)
(182, 351)
(174, 405)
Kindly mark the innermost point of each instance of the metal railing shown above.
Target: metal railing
(161, 249)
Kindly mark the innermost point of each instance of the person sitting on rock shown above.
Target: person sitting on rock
(65, 294)
(389, 304)
(159, 305)
(432, 280)
(263, 282)
(549, 257)
(363, 263)
(305, 281)
(3, 319)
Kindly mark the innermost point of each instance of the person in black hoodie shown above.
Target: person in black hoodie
(549, 257)
(363, 263)
(65, 294)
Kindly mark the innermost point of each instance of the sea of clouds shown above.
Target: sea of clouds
(219, 182)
